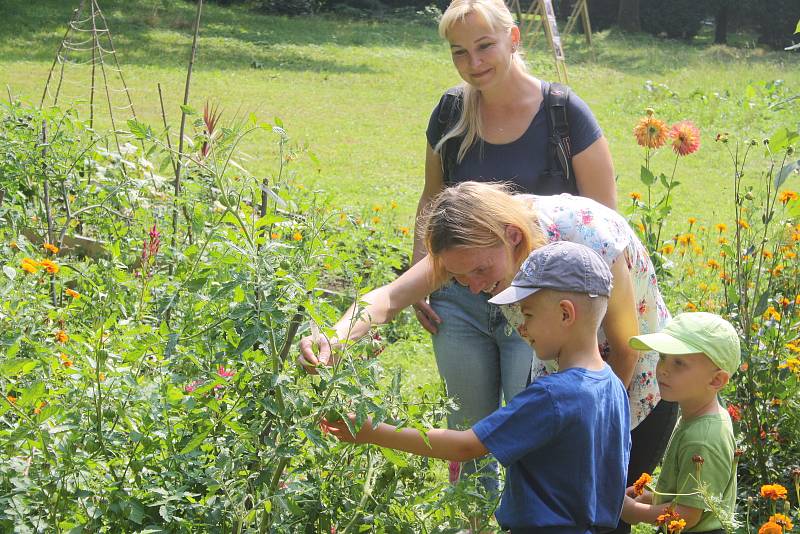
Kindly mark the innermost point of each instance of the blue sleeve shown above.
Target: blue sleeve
(583, 127)
(525, 424)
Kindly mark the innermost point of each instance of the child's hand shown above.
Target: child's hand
(340, 431)
(646, 496)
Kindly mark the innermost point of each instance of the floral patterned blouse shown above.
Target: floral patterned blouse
(582, 220)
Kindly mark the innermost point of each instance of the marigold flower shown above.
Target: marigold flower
(685, 138)
(39, 407)
(640, 227)
(772, 313)
(686, 239)
(722, 241)
(101, 377)
(690, 307)
(376, 220)
(778, 269)
(743, 224)
(61, 336)
(668, 248)
(635, 196)
(51, 248)
(786, 196)
(702, 286)
(11, 398)
(65, 361)
(29, 265)
(641, 482)
(784, 302)
(404, 230)
(773, 491)
(767, 254)
(377, 207)
(676, 526)
(697, 250)
(782, 520)
(692, 220)
(274, 235)
(393, 205)
(650, 132)
(50, 266)
(789, 255)
(713, 264)
(792, 364)
(72, 293)
(667, 514)
(770, 527)
(721, 227)
(297, 236)
(735, 413)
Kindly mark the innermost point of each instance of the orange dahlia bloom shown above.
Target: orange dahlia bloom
(650, 132)
(773, 491)
(770, 527)
(641, 482)
(685, 138)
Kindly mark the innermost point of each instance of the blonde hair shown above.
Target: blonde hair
(476, 215)
(496, 14)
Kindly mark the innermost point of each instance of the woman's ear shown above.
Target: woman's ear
(513, 235)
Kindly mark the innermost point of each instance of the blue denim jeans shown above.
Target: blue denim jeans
(481, 361)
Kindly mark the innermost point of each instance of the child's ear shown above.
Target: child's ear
(567, 308)
(719, 380)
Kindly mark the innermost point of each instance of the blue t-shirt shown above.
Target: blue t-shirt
(521, 161)
(565, 442)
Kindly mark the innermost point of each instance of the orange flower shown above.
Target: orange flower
(635, 196)
(404, 230)
(641, 483)
(690, 307)
(50, 266)
(102, 377)
(676, 526)
(692, 220)
(713, 264)
(29, 265)
(72, 293)
(14, 245)
(786, 196)
(11, 398)
(773, 491)
(770, 528)
(38, 408)
(640, 227)
(772, 313)
(697, 250)
(722, 241)
(686, 239)
(376, 208)
(297, 236)
(778, 269)
(61, 336)
(393, 205)
(650, 132)
(792, 364)
(721, 227)
(65, 361)
(50, 247)
(784, 302)
(685, 138)
(782, 520)
(667, 515)
(767, 254)
(743, 224)
(376, 220)
(668, 248)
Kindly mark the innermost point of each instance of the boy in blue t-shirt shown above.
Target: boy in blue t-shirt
(565, 439)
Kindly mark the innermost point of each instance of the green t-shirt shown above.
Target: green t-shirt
(710, 436)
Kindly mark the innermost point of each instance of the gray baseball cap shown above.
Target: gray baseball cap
(562, 266)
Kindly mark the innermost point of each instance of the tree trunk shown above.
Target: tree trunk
(721, 24)
(628, 16)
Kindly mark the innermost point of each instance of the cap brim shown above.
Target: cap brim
(513, 294)
(663, 343)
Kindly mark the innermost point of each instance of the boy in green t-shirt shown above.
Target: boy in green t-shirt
(698, 353)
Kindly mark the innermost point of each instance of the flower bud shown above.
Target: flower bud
(749, 195)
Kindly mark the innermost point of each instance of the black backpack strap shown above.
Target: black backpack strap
(555, 102)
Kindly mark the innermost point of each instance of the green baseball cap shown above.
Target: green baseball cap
(689, 333)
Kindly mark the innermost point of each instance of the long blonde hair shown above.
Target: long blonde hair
(498, 17)
(476, 215)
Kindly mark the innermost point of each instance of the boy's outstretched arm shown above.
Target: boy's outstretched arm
(635, 511)
(456, 445)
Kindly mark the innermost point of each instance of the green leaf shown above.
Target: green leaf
(17, 367)
(136, 513)
(32, 395)
(785, 172)
(797, 29)
(195, 442)
(394, 457)
(646, 176)
(139, 129)
(188, 110)
(762, 304)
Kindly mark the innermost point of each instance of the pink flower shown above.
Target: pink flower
(685, 138)
(224, 373)
(192, 386)
(454, 469)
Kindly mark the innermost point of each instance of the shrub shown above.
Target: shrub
(775, 21)
(677, 19)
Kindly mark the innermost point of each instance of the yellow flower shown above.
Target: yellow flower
(29, 265)
(50, 266)
(640, 227)
(297, 236)
(772, 313)
(50, 247)
(668, 248)
(404, 230)
(11, 398)
(778, 269)
(676, 526)
(61, 336)
(376, 208)
(702, 286)
(690, 307)
(789, 255)
(722, 241)
(14, 245)
(767, 254)
(713, 264)
(773, 491)
(686, 239)
(692, 220)
(697, 250)
(650, 132)
(721, 227)
(376, 220)
(786, 196)
(102, 377)
(743, 224)
(635, 196)
(275, 235)
(393, 205)
(72, 293)
(65, 361)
